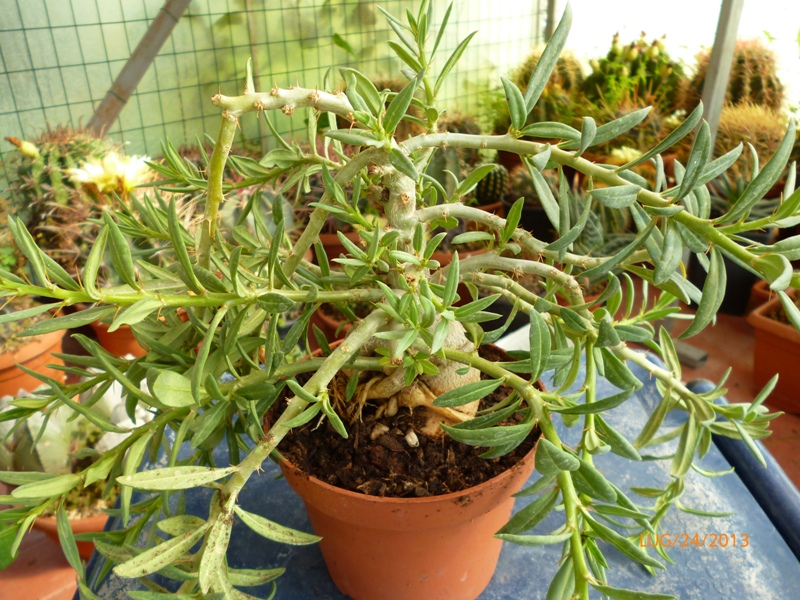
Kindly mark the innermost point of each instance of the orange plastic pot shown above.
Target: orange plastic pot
(777, 351)
(410, 548)
(35, 355)
(120, 342)
(83, 525)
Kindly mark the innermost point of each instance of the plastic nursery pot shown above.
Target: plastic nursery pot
(93, 524)
(35, 355)
(410, 548)
(120, 342)
(777, 351)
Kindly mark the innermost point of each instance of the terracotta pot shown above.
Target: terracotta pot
(85, 525)
(496, 208)
(410, 548)
(328, 326)
(760, 293)
(35, 355)
(777, 351)
(120, 342)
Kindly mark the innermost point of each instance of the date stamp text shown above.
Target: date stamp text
(696, 540)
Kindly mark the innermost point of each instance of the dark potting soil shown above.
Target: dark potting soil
(779, 314)
(388, 466)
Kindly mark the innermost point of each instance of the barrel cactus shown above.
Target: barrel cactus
(753, 78)
(494, 187)
(640, 72)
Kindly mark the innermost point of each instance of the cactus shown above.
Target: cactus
(458, 122)
(567, 74)
(59, 181)
(753, 78)
(758, 125)
(640, 73)
(494, 187)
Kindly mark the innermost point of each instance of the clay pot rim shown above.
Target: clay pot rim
(87, 522)
(37, 346)
(758, 318)
(391, 500)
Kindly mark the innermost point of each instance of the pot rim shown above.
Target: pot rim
(37, 346)
(450, 496)
(758, 319)
(392, 500)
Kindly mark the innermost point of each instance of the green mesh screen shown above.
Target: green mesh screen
(59, 57)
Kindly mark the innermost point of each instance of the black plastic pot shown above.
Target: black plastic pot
(739, 280)
(534, 220)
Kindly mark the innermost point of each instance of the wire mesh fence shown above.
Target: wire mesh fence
(58, 58)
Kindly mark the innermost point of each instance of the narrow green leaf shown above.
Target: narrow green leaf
(273, 531)
(545, 194)
(702, 513)
(403, 163)
(121, 257)
(588, 133)
(174, 478)
(623, 594)
(160, 556)
(765, 179)
(713, 294)
(47, 488)
(696, 163)
(534, 540)
(673, 138)
(540, 343)
(550, 460)
(133, 460)
(595, 407)
(67, 541)
(468, 393)
(516, 104)
(530, 516)
(547, 60)
(622, 544)
(213, 562)
(618, 196)
(399, 105)
(608, 131)
(71, 321)
(551, 130)
(451, 62)
(136, 313)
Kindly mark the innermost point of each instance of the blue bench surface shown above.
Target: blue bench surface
(765, 569)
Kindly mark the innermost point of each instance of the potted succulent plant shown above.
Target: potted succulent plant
(57, 443)
(777, 349)
(415, 348)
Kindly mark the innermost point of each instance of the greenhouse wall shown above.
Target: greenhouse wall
(58, 58)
